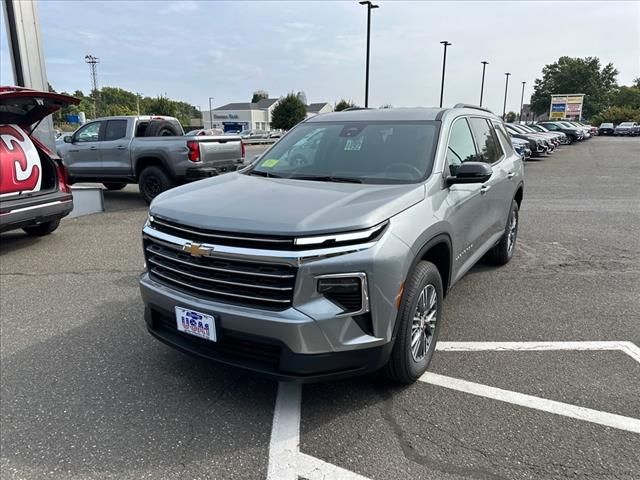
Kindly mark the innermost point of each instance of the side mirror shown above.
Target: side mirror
(471, 172)
(68, 139)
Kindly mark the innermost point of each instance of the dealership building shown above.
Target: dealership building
(251, 116)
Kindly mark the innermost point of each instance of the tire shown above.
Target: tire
(503, 251)
(42, 229)
(162, 128)
(112, 186)
(406, 365)
(152, 182)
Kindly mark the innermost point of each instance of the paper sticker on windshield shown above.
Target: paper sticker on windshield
(270, 163)
(353, 144)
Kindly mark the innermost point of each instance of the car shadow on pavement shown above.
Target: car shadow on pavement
(16, 240)
(107, 400)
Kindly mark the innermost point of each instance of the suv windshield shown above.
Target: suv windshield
(360, 152)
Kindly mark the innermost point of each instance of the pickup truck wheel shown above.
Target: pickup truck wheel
(152, 182)
(420, 317)
(42, 229)
(503, 251)
(114, 186)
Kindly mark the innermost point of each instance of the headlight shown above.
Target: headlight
(149, 220)
(336, 239)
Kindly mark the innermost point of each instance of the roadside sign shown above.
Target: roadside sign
(566, 106)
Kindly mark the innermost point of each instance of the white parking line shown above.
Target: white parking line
(581, 413)
(285, 433)
(629, 348)
(286, 462)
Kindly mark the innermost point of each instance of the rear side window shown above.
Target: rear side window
(115, 130)
(461, 147)
(490, 149)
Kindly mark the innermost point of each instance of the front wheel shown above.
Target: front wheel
(420, 317)
(42, 229)
(503, 251)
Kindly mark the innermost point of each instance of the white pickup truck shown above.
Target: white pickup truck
(151, 151)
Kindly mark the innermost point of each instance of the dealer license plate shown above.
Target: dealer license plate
(196, 323)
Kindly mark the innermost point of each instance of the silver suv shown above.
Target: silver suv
(335, 264)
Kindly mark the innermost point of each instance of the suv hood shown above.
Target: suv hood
(243, 203)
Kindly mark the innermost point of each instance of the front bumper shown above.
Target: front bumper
(311, 339)
(24, 212)
(265, 355)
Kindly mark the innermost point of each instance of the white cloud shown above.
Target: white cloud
(181, 6)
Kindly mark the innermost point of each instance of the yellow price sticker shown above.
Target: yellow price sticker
(270, 163)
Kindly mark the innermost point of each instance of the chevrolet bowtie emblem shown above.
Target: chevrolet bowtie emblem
(196, 249)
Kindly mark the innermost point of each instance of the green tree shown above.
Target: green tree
(511, 117)
(288, 112)
(627, 97)
(343, 105)
(616, 115)
(259, 95)
(575, 75)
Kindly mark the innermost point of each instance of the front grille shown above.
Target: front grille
(229, 344)
(255, 284)
(268, 242)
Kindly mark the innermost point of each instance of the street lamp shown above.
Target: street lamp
(444, 62)
(484, 66)
(370, 6)
(506, 85)
(522, 100)
(210, 113)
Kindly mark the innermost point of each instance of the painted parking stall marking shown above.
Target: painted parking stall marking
(287, 462)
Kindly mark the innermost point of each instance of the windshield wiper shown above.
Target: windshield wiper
(327, 178)
(264, 174)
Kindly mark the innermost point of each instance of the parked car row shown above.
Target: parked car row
(630, 129)
(541, 139)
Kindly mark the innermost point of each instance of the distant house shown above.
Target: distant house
(316, 108)
(241, 116)
(251, 116)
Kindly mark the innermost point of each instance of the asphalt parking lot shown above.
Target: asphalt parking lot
(86, 393)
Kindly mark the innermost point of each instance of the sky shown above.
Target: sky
(193, 50)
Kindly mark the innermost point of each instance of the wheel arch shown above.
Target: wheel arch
(438, 250)
(144, 162)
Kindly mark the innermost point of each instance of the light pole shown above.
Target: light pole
(370, 6)
(522, 101)
(210, 113)
(484, 66)
(444, 63)
(506, 85)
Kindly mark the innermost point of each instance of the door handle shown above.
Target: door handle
(510, 175)
(93, 148)
(485, 189)
(73, 151)
(121, 147)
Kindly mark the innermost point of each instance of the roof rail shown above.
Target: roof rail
(468, 105)
(348, 109)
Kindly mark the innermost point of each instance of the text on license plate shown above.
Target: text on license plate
(196, 323)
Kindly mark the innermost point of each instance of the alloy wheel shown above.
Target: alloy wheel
(424, 322)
